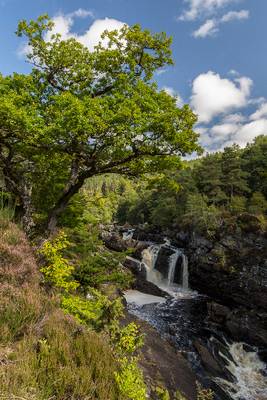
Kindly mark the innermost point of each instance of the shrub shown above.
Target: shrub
(130, 380)
(97, 312)
(257, 204)
(204, 394)
(201, 216)
(58, 270)
(238, 204)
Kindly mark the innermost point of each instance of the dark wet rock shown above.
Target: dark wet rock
(162, 365)
(163, 259)
(141, 283)
(114, 241)
(217, 313)
(149, 288)
(209, 362)
(139, 248)
(248, 325)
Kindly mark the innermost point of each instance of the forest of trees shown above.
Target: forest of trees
(201, 194)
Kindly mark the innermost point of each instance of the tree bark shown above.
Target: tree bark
(21, 189)
(61, 204)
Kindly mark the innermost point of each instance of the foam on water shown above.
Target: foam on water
(140, 299)
(249, 372)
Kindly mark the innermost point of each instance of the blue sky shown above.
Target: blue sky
(219, 48)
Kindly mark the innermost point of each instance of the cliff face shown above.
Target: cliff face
(232, 270)
(230, 267)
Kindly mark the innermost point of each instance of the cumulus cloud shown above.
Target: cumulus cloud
(213, 95)
(198, 8)
(235, 15)
(209, 28)
(93, 35)
(249, 131)
(63, 24)
(234, 128)
(261, 112)
(212, 11)
(234, 118)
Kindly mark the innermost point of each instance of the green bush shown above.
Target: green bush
(58, 271)
(130, 380)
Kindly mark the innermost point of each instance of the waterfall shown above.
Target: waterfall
(185, 272)
(149, 260)
(172, 265)
(128, 235)
(248, 372)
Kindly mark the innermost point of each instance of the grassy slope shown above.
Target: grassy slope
(44, 354)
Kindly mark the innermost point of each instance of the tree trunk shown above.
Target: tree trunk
(70, 190)
(24, 192)
(27, 219)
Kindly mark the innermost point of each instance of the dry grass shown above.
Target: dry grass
(17, 263)
(44, 354)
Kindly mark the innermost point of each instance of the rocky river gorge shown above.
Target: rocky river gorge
(208, 312)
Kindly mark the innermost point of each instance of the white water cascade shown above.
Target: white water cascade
(128, 235)
(149, 259)
(248, 370)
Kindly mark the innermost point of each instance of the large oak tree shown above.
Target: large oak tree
(80, 113)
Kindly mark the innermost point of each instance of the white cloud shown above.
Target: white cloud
(234, 118)
(209, 28)
(213, 95)
(82, 13)
(215, 138)
(261, 112)
(93, 35)
(172, 92)
(63, 25)
(249, 131)
(198, 8)
(235, 15)
(233, 72)
(211, 13)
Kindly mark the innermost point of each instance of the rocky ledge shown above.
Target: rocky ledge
(230, 268)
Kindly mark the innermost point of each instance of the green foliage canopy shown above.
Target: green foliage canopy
(80, 113)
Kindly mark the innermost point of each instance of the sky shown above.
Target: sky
(219, 49)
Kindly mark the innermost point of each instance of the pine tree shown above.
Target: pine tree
(209, 179)
(234, 178)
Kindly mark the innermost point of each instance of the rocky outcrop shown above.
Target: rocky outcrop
(230, 267)
(163, 366)
(140, 282)
(232, 270)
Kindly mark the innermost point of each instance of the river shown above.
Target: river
(239, 373)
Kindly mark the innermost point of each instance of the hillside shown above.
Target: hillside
(44, 353)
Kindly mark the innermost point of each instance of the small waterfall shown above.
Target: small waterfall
(185, 284)
(149, 259)
(249, 374)
(172, 265)
(128, 235)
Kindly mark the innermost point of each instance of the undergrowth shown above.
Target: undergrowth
(60, 345)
